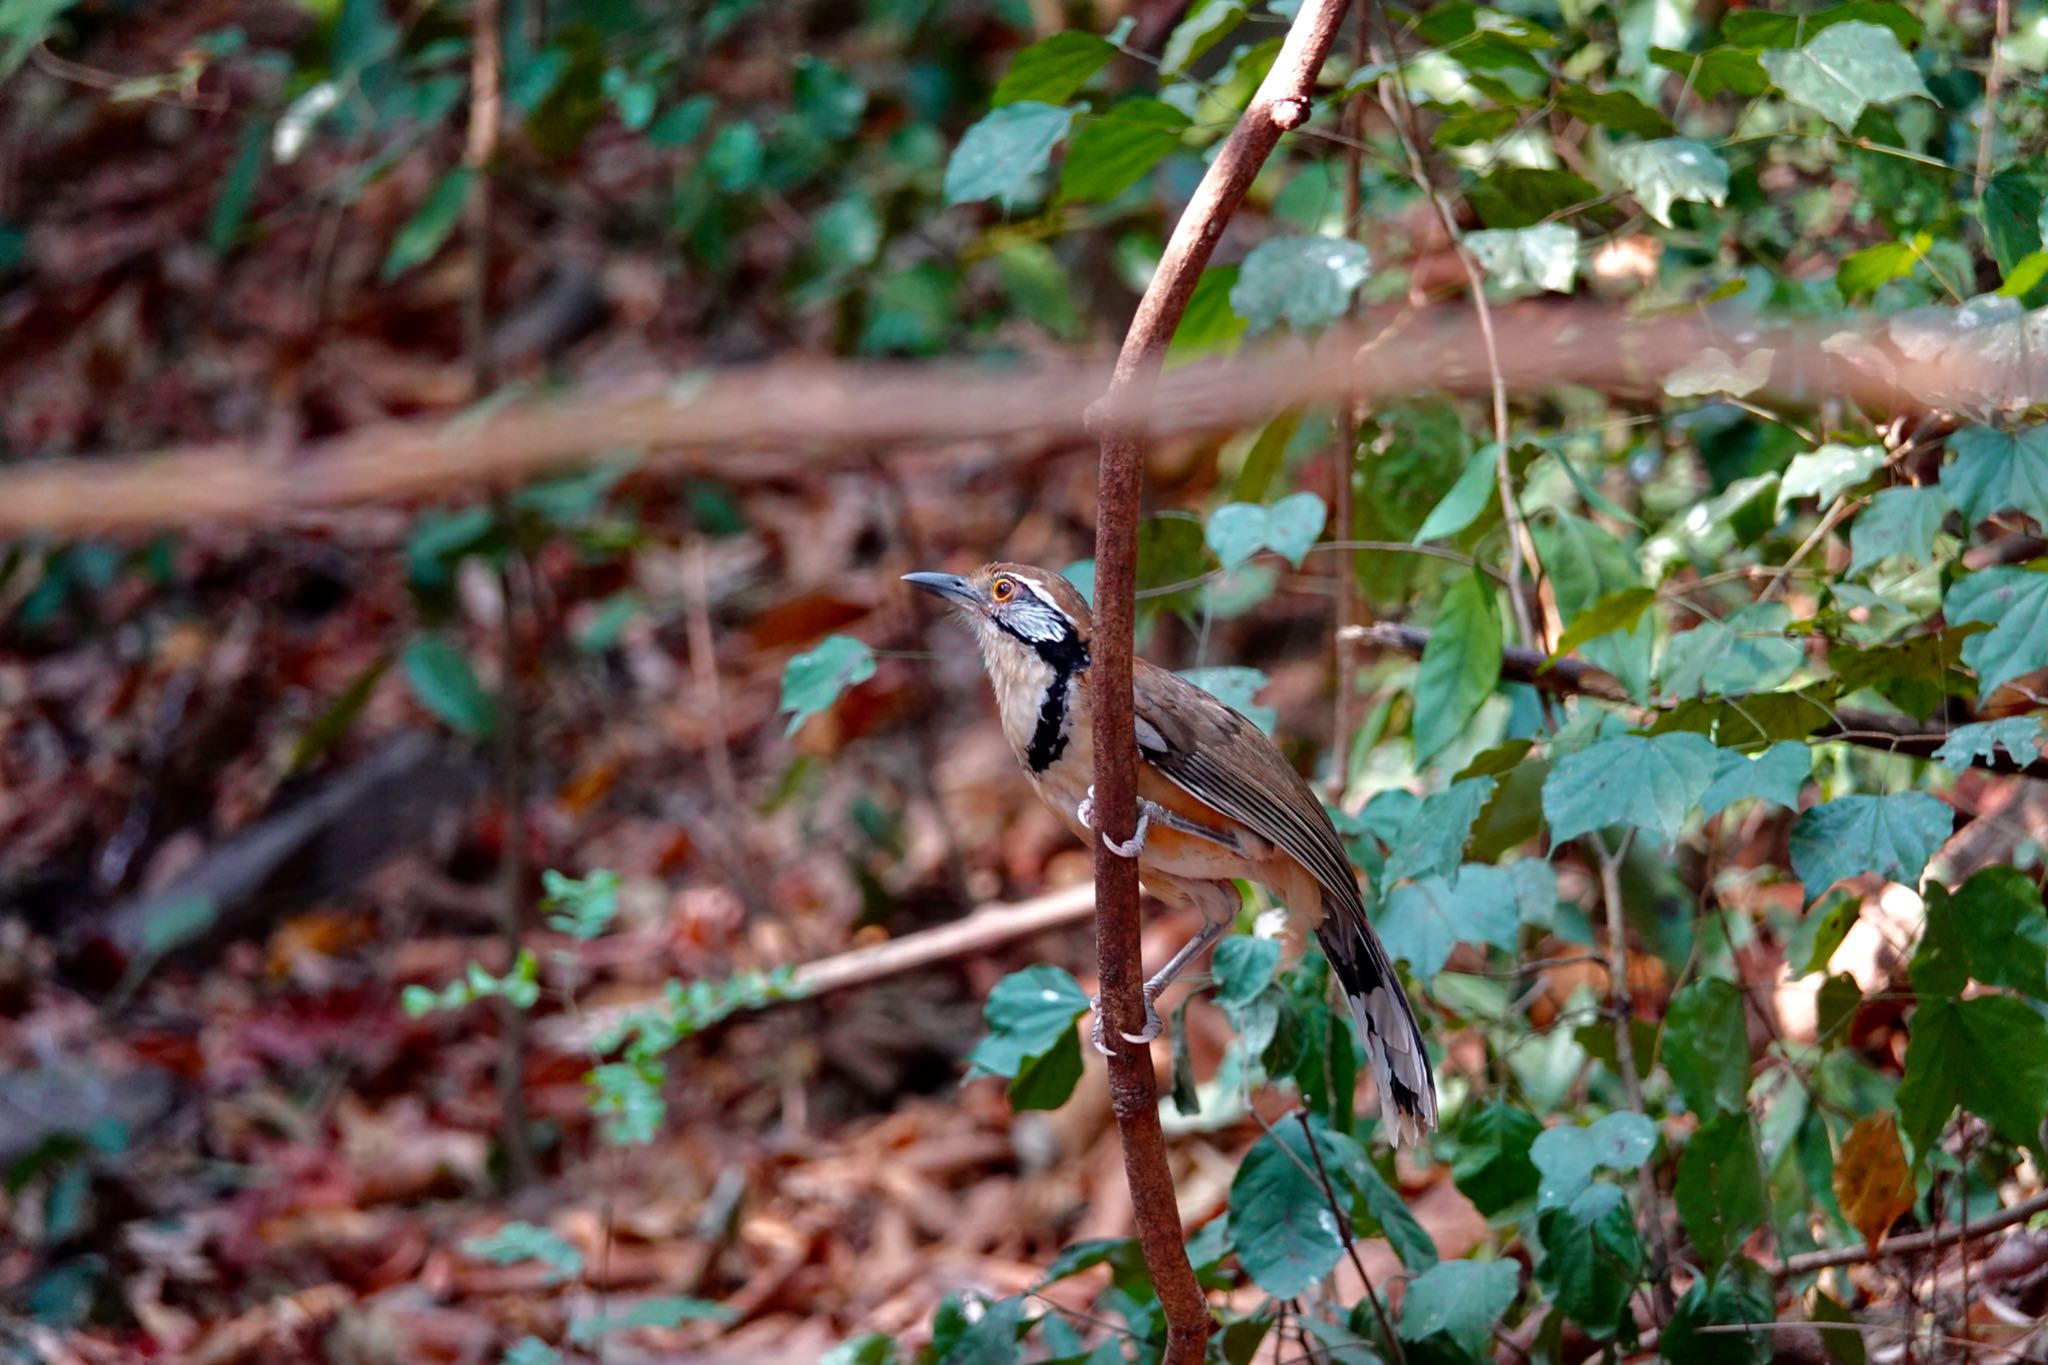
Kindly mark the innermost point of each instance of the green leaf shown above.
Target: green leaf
(582, 908)
(1989, 1055)
(1280, 1220)
(1825, 474)
(1768, 28)
(231, 205)
(516, 1242)
(662, 1311)
(1431, 842)
(1716, 70)
(2022, 737)
(1244, 966)
(1461, 1299)
(1776, 775)
(1994, 926)
(1616, 109)
(1720, 1189)
(1210, 324)
(531, 1351)
(626, 1097)
(1031, 1038)
(2015, 602)
(812, 681)
(1587, 565)
(1715, 371)
(1421, 921)
(1002, 155)
(423, 235)
(1868, 270)
(1383, 1203)
(1893, 836)
(1651, 783)
(1466, 499)
(1235, 687)
(1747, 652)
(1740, 1295)
(1522, 196)
(1545, 256)
(2012, 216)
(1897, 521)
(1998, 471)
(1303, 281)
(1051, 70)
(1617, 611)
(1567, 1156)
(869, 1348)
(1238, 530)
(735, 158)
(1492, 1168)
(1460, 665)
(445, 684)
(1706, 1047)
(1201, 29)
(1844, 71)
(1591, 1258)
(1662, 172)
(1114, 149)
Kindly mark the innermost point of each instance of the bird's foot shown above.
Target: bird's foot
(1097, 1034)
(1126, 848)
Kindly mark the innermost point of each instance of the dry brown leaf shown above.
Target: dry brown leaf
(1872, 1182)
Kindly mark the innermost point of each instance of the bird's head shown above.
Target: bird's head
(1019, 613)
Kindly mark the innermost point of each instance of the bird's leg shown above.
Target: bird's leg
(1156, 985)
(1150, 813)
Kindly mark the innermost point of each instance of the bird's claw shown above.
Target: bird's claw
(1154, 1026)
(1125, 848)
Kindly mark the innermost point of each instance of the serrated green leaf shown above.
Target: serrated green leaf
(1460, 665)
(1897, 521)
(1998, 471)
(1003, 154)
(1706, 1047)
(1303, 281)
(1244, 966)
(1776, 775)
(1720, 1190)
(1461, 1299)
(1281, 1224)
(425, 232)
(1591, 1258)
(1052, 69)
(1844, 71)
(1825, 474)
(814, 680)
(1545, 256)
(1567, 1156)
(1747, 652)
(2011, 211)
(440, 676)
(1236, 686)
(1994, 931)
(1493, 1168)
(2022, 737)
(1431, 841)
(2015, 602)
(1651, 783)
(1892, 836)
(1671, 169)
(1117, 147)
(1236, 531)
(1421, 921)
(1988, 1055)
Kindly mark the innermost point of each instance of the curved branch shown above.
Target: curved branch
(1282, 103)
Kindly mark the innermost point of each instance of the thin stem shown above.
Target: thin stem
(1806, 1263)
(1819, 533)
(1344, 718)
(1350, 1246)
(2001, 21)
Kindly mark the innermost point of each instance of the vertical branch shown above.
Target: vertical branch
(1351, 124)
(480, 146)
(2001, 22)
(1281, 103)
(1623, 1005)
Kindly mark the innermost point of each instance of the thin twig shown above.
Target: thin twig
(1352, 124)
(1625, 1056)
(1350, 1246)
(2001, 22)
(1283, 102)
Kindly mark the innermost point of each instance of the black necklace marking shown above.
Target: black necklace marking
(1067, 657)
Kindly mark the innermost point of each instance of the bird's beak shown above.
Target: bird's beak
(950, 586)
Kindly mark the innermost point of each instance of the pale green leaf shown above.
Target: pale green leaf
(1776, 775)
(1999, 471)
(1423, 920)
(2015, 602)
(814, 680)
(1302, 281)
(1892, 836)
(1714, 371)
(1461, 1299)
(1567, 1156)
(1001, 156)
(1545, 256)
(1662, 172)
(1897, 521)
(1649, 782)
(1235, 686)
(2022, 737)
(1845, 70)
(1825, 474)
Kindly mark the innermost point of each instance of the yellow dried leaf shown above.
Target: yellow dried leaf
(1872, 1182)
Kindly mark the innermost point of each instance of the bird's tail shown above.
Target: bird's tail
(1393, 1040)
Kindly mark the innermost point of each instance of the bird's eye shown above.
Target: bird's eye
(1003, 590)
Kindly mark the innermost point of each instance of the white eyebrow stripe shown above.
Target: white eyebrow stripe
(1038, 590)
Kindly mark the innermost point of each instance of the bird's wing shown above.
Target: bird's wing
(1218, 757)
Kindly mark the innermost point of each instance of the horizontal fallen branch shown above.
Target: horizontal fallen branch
(1913, 1244)
(985, 928)
(724, 419)
(1571, 676)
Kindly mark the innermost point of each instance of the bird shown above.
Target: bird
(1217, 802)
